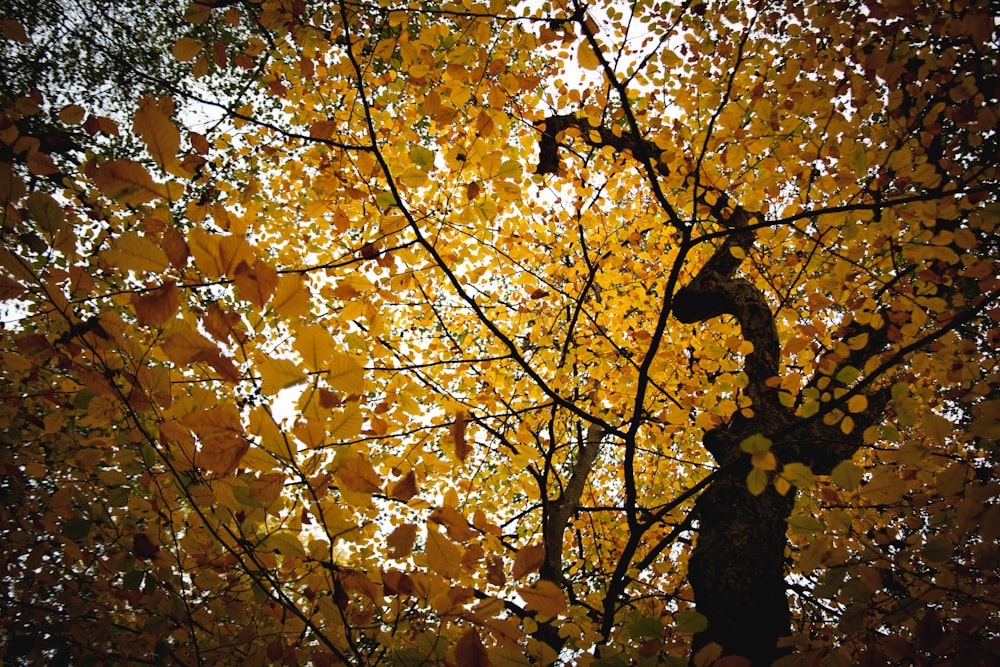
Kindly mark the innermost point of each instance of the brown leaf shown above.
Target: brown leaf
(462, 448)
(175, 248)
(396, 582)
(494, 572)
(405, 488)
(470, 651)
(400, 541)
(143, 547)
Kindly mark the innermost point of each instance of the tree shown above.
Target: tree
(595, 334)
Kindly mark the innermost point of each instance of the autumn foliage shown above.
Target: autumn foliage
(596, 334)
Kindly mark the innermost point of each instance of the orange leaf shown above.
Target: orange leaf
(453, 521)
(357, 474)
(443, 556)
(457, 430)
(158, 306)
(158, 132)
(528, 560)
(544, 597)
(256, 285)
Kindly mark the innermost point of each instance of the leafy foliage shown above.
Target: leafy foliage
(601, 334)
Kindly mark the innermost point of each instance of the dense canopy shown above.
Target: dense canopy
(483, 333)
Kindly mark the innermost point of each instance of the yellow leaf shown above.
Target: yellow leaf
(763, 460)
(755, 443)
(413, 177)
(186, 48)
(798, 474)
(443, 556)
(291, 299)
(586, 56)
(218, 255)
(857, 403)
(757, 481)
(885, 487)
(185, 345)
(128, 182)
(345, 424)
(544, 597)
(278, 374)
(159, 133)
(316, 345)
(345, 373)
(132, 252)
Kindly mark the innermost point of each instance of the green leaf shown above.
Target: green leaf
(757, 481)
(798, 474)
(422, 157)
(690, 621)
(847, 476)
(643, 627)
(76, 528)
(755, 443)
(45, 211)
(804, 525)
(132, 580)
(385, 200)
(848, 375)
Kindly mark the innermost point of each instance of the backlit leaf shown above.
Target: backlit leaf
(161, 136)
(443, 556)
(847, 476)
(357, 474)
(277, 374)
(690, 621)
(132, 252)
(157, 306)
(544, 597)
(186, 48)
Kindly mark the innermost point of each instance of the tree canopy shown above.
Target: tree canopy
(483, 333)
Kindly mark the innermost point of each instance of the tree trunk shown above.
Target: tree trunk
(737, 568)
